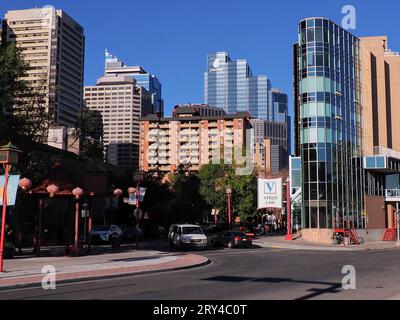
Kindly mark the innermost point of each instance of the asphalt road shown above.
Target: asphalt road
(247, 274)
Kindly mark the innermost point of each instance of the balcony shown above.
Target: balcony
(163, 147)
(163, 154)
(153, 161)
(153, 146)
(164, 161)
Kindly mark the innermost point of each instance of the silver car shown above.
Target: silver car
(187, 236)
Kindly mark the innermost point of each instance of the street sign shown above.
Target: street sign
(270, 194)
(11, 190)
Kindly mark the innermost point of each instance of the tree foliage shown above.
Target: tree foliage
(24, 117)
(215, 178)
(89, 132)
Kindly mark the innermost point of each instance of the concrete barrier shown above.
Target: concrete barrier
(322, 236)
(371, 235)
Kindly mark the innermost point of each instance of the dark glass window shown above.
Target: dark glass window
(321, 171)
(313, 154)
(313, 171)
(314, 217)
(322, 218)
(318, 35)
(320, 60)
(310, 35)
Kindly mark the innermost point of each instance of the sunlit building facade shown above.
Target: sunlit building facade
(329, 125)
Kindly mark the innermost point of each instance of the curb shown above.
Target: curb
(318, 248)
(102, 277)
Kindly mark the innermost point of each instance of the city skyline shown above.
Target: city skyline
(182, 74)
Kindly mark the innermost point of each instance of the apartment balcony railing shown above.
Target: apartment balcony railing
(153, 161)
(153, 146)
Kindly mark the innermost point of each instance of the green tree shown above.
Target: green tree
(189, 205)
(24, 117)
(215, 178)
(89, 132)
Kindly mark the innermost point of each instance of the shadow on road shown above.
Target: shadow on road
(315, 292)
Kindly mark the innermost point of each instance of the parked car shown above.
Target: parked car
(107, 234)
(233, 239)
(187, 236)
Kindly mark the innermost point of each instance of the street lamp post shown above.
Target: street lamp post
(91, 195)
(289, 235)
(138, 176)
(8, 157)
(78, 193)
(229, 194)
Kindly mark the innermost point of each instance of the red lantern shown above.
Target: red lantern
(52, 189)
(25, 184)
(131, 190)
(77, 192)
(118, 193)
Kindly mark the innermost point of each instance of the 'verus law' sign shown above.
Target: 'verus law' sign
(270, 193)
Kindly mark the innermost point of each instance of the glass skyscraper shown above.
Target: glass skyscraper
(230, 85)
(328, 125)
(114, 66)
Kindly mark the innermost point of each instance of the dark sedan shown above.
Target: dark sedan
(232, 239)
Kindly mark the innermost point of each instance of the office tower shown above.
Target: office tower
(230, 85)
(114, 66)
(280, 113)
(270, 143)
(328, 107)
(190, 139)
(53, 44)
(121, 103)
(381, 136)
(279, 110)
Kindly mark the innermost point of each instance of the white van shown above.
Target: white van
(187, 236)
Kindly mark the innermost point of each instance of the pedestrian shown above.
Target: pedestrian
(8, 242)
(274, 224)
(269, 222)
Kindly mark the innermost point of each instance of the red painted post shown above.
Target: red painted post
(76, 243)
(289, 235)
(137, 212)
(3, 217)
(229, 212)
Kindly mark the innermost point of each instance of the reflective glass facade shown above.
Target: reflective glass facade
(329, 125)
(152, 85)
(230, 85)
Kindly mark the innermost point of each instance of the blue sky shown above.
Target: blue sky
(171, 38)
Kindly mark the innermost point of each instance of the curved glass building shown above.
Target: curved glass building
(328, 125)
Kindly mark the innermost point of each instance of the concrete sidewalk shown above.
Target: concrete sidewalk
(279, 242)
(27, 272)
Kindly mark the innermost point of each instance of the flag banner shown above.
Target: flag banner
(132, 197)
(11, 190)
